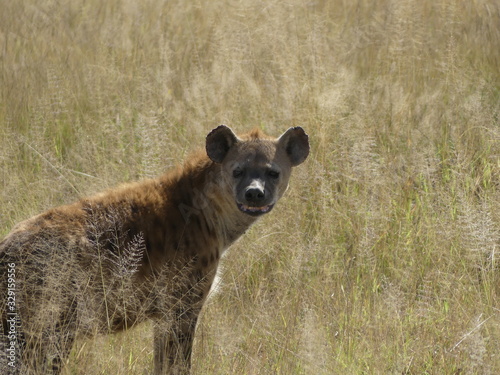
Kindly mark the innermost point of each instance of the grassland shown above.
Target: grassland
(384, 256)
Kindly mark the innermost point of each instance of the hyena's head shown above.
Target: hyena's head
(257, 167)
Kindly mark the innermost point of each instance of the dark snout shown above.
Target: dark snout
(254, 195)
(256, 200)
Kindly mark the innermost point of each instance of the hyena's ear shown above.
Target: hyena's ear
(219, 141)
(296, 143)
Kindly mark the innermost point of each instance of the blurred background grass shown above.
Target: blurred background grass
(383, 256)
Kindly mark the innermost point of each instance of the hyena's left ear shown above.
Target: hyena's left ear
(296, 143)
(218, 143)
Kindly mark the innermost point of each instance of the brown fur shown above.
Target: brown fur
(144, 250)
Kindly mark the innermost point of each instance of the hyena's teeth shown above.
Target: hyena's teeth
(250, 209)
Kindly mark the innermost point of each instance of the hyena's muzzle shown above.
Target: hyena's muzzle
(255, 195)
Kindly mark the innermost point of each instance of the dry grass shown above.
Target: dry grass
(383, 257)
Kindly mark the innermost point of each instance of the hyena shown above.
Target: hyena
(144, 250)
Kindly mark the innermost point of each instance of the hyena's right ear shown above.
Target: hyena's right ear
(218, 143)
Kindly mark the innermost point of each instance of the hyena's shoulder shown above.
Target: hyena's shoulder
(152, 196)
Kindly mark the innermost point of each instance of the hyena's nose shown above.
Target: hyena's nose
(254, 195)
(255, 199)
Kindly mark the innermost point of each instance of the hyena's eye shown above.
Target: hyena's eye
(273, 174)
(237, 173)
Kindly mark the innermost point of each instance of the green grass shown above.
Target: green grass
(383, 256)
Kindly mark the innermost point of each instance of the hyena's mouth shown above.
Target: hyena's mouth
(255, 211)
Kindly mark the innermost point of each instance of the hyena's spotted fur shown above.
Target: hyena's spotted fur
(145, 250)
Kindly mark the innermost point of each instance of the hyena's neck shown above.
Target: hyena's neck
(205, 199)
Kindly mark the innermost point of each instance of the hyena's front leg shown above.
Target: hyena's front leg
(173, 346)
(174, 334)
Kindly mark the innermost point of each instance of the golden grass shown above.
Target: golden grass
(383, 257)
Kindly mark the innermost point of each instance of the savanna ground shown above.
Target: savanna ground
(383, 258)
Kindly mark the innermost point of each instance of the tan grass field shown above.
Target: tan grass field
(383, 258)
